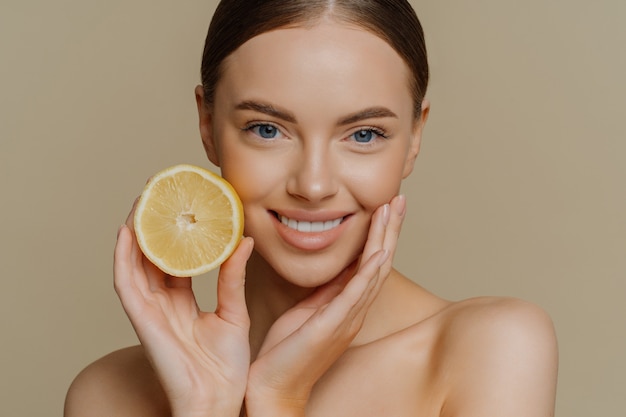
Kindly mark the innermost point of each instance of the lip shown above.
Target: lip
(309, 241)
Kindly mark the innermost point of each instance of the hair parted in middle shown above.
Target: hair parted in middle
(237, 21)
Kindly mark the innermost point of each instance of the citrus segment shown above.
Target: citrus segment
(188, 220)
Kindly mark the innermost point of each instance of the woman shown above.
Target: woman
(314, 111)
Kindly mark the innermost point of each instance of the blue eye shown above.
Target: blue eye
(367, 135)
(266, 131)
(363, 136)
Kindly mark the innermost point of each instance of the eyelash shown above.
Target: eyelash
(251, 125)
(376, 130)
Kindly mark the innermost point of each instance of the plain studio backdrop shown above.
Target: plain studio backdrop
(520, 189)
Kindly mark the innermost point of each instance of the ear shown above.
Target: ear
(205, 118)
(416, 139)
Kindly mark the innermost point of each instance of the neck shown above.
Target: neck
(399, 304)
(268, 296)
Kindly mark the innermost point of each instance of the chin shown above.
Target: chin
(314, 271)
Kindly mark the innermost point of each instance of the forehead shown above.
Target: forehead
(314, 67)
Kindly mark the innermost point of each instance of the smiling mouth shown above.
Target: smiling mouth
(308, 227)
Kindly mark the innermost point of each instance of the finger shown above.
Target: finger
(121, 259)
(155, 277)
(130, 219)
(392, 231)
(136, 254)
(366, 283)
(360, 309)
(131, 215)
(376, 234)
(393, 225)
(128, 285)
(231, 299)
(339, 320)
(367, 280)
(375, 243)
(357, 293)
(396, 218)
(382, 237)
(331, 328)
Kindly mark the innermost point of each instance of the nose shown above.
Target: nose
(313, 177)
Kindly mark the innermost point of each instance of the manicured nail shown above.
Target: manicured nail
(401, 205)
(386, 214)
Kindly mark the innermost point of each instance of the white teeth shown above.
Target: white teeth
(317, 226)
(303, 226)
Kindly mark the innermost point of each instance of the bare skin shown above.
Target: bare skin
(413, 371)
(324, 325)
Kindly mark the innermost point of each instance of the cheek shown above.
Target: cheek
(375, 182)
(244, 177)
(252, 176)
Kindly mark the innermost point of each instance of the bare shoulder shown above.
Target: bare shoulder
(500, 358)
(496, 317)
(121, 383)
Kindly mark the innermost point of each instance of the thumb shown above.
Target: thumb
(231, 299)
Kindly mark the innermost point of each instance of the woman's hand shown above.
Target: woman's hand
(305, 341)
(201, 359)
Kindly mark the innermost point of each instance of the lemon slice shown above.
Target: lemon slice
(188, 220)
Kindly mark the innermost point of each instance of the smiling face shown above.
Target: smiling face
(314, 128)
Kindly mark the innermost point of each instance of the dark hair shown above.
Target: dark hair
(237, 21)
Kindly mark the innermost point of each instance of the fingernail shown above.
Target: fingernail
(250, 242)
(383, 257)
(386, 214)
(401, 205)
(120, 229)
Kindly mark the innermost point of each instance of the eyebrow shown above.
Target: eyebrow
(270, 110)
(266, 109)
(369, 113)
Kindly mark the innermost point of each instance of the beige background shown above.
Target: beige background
(520, 188)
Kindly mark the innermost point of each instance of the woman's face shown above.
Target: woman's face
(314, 127)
